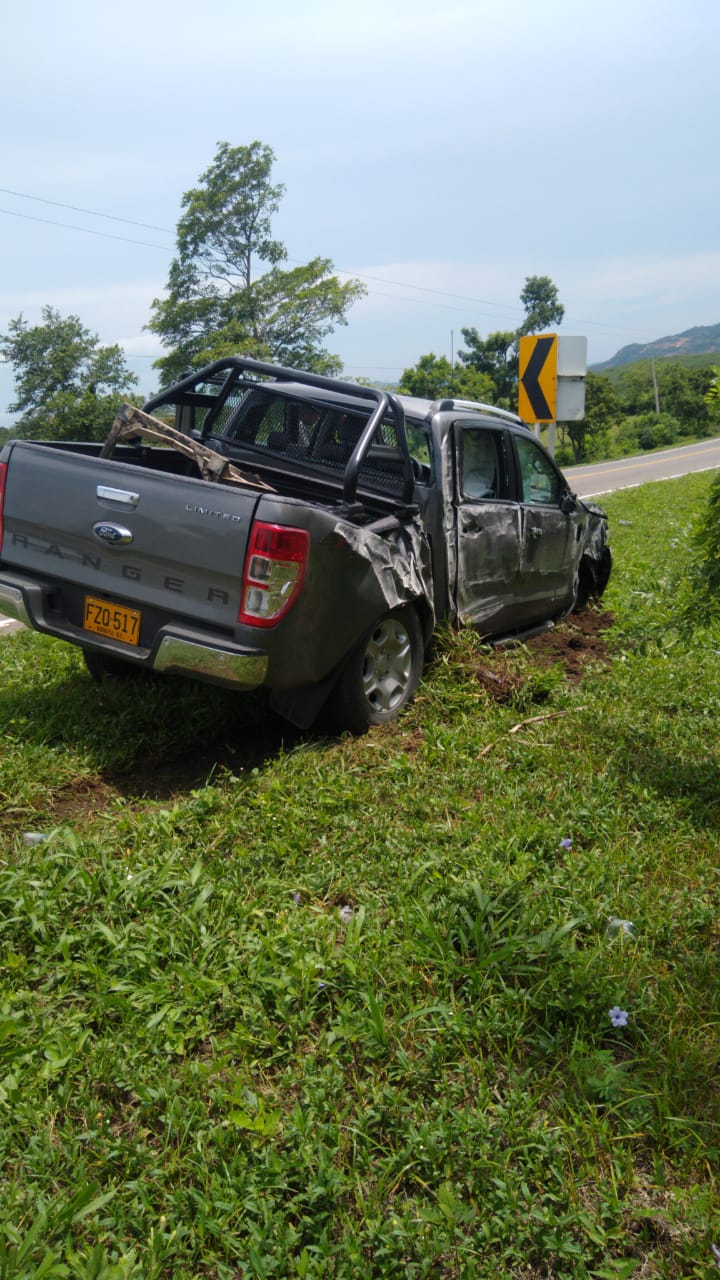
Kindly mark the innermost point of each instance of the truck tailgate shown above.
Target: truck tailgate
(169, 544)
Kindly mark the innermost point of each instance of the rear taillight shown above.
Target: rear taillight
(274, 571)
(3, 473)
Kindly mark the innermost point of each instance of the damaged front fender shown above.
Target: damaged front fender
(595, 565)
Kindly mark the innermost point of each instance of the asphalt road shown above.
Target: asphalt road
(626, 473)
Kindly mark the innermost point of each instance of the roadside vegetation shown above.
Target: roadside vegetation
(643, 406)
(443, 1001)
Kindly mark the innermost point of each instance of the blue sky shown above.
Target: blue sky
(442, 152)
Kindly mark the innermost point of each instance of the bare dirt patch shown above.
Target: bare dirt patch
(579, 640)
(574, 644)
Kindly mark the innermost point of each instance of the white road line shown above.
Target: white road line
(638, 484)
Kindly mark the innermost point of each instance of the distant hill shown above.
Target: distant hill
(703, 339)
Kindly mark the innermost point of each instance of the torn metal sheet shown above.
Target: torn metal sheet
(131, 422)
(596, 534)
(400, 561)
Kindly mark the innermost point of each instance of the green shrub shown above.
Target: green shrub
(647, 430)
(656, 430)
(626, 437)
(700, 590)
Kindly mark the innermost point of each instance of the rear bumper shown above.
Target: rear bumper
(177, 649)
(204, 661)
(12, 604)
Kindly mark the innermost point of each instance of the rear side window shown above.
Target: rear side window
(320, 435)
(481, 469)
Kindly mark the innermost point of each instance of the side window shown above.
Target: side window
(480, 464)
(540, 481)
(418, 439)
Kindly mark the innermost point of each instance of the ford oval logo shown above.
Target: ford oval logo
(116, 535)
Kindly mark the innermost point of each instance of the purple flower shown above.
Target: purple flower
(618, 1016)
(716, 1252)
(566, 842)
(296, 899)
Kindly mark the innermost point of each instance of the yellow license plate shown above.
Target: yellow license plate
(112, 620)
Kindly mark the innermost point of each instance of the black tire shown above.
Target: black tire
(382, 673)
(104, 664)
(593, 578)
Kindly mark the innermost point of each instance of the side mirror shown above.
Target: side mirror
(568, 503)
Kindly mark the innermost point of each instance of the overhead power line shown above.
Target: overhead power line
(107, 235)
(76, 208)
(149, 226)
(88, 231)
(398, 284)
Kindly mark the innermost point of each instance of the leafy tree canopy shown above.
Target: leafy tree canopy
(543, 309)
(712, 394)
(681, 390)
(216, 304)
(434, 378)
(603, 411)
(67, 386)
(497, 355)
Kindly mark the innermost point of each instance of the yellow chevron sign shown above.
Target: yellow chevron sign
(537, 385)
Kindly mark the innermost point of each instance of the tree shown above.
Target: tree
(543, 309)
(497, 355)
(681, 392)
(216, 305)
(603, 411)
(67, 386)
(434, 378)
(712, 395)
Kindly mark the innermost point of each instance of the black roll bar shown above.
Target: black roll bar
(385, 402)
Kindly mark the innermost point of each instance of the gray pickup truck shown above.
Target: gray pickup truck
(294, 532)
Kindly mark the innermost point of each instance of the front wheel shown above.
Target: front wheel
(593, 578)
(382, 673)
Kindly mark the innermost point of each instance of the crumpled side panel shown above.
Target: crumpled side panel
(399, 560)
(487, 562)
(596, 533)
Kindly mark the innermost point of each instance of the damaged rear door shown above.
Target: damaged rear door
(488, 529)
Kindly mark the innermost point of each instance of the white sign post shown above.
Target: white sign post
(571, 370)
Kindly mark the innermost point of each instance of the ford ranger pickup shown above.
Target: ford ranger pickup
(256, 526)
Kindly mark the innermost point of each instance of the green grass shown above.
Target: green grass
(340, 1007)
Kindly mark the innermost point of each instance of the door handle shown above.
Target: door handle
(124, 496)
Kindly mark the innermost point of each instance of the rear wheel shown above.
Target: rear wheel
(382, 673)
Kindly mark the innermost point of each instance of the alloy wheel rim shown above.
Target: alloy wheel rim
(387, 665)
